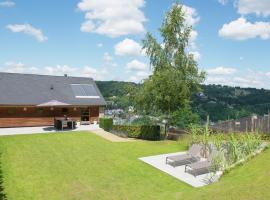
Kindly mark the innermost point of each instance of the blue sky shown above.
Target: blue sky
(101, 38)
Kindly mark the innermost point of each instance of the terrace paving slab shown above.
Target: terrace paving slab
(159, 162)
(43, 130)
(93, 128)
(111, 137)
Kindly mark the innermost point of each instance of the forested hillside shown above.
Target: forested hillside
(219, 102)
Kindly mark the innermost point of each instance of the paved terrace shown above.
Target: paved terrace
(45, 129)
(159, 162)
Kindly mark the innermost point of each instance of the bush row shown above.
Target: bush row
(106, 123)
(147, 132)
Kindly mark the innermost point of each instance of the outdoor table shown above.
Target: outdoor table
(58, 123)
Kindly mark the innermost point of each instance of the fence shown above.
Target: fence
(247, 124)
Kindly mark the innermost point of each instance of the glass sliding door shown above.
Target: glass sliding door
(85, 116)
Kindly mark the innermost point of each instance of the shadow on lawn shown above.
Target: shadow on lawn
(2, 194)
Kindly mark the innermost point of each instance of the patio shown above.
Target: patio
(43, 129)
(159, 162)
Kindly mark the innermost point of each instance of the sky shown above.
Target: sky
(102, 38)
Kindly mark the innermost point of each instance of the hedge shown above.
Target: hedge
(150, 132)
(147, 132)
(106, 123)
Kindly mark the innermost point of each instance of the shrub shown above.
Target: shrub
(106, 123)
(130, 131)
(146, 132)
(150, 132)
(184, 117)
(143, 120)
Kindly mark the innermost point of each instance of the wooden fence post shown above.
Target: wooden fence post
(268, 122)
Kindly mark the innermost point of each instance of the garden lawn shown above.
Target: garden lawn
(82, 166)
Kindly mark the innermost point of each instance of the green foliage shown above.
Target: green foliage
(113, 88)
(143, 132)
(201, 135)
(205, 140)
(216, 163)
(184, 117)
(218, 141)
(129, 130)
(234, 149)
(143, 120)
(250, 142)
(118, 94)
(231, 148)
(106, 123)
(231, 102)
(175, 72)
(150, 132)
(196, 131)
(57, 159)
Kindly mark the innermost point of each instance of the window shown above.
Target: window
(64, 110)
(40, 110)
(11, 111)
(85, 91)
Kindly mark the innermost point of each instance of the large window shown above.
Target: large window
(40, 110)
(11, 111)
(65, 110)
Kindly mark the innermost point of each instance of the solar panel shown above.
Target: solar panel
(84, 91)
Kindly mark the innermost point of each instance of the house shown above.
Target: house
(20, 95)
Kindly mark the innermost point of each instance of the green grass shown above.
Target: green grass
(80, 166)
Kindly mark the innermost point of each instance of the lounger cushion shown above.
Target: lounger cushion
(179, 157)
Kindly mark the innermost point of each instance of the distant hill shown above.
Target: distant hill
(112, 88)
(219, 102)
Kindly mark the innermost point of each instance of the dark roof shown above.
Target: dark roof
(30, 89)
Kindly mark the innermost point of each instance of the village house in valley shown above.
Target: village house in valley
(21, 95)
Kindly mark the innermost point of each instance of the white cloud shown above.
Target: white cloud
(27, 29)
(107, 57)
(223, 2)
(99, 45)
(221, 71)
(7, 4)
(241, 29)
(18, 67)
(136, 65)
(60, 70)
(138, 76)
(114, 64)
(128, 47)
(87, 26)
(192, 18)
(142, 74)
(193, 35)
(113, 18)
(134, 79)
(191, 15)
(243, 78)
(138, 71)
(196, 55)
(259, 7)
(87, 71)
(95, 73)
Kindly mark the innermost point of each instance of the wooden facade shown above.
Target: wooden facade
(23, 116)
